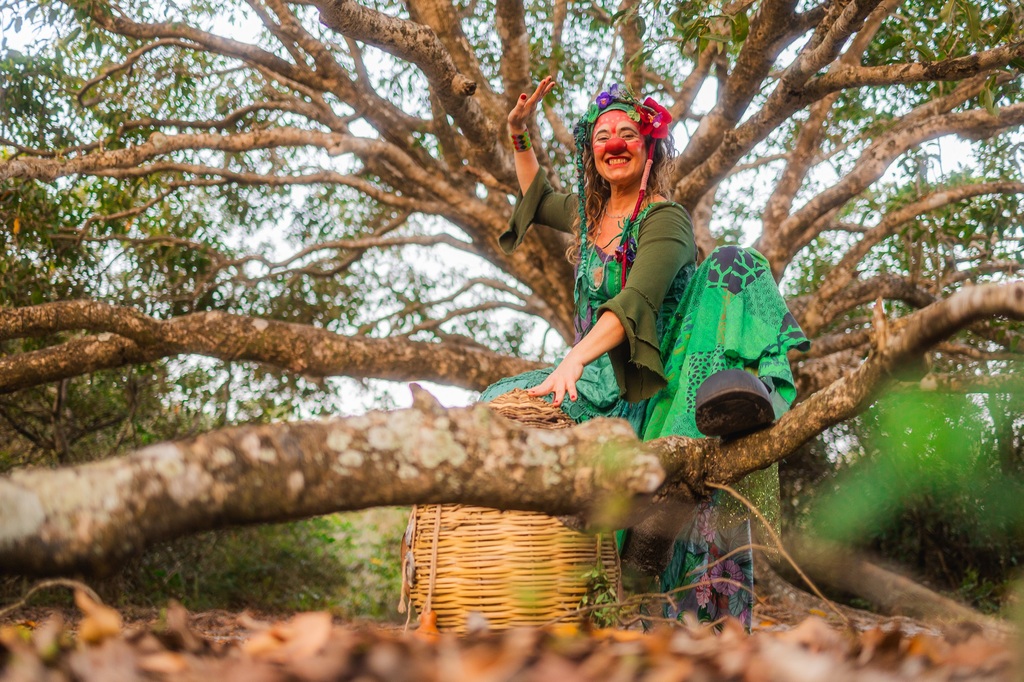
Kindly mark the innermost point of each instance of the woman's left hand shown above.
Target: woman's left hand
(561, 382)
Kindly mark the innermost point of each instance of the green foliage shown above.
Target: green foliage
(987, 595)
(344, 563)
(601, 600)
(698, 24)
(91, 417)
(937, 487)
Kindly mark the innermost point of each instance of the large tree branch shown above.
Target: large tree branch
(731, 144)
(126, 336)
(954, 69)
(117, 22)
(420, 45)
(159, 144)
(533, 262)
(93, 515)
(952, 383)
(317, 177)
(382, 114)
(769, 30)
(420, 307)
(696, 461)
(232, 118)
(793, 234)
(459, 207)
(888, 287)
(510, 24)
(810, 313)
(127, 64)
(808, 140)
(841, 21)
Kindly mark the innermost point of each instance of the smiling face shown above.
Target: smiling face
(619, 149)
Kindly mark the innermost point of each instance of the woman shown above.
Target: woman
(671, 347)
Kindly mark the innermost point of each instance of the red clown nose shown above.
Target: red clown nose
(616, 145)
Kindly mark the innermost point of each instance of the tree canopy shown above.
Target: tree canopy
(313, 189)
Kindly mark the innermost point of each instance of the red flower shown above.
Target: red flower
(654, 119)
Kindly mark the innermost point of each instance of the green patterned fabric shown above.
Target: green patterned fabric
(598, 280)
(730, 316)
(725, 314)
(664, 249)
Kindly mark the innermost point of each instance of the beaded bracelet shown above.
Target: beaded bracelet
(521, 141)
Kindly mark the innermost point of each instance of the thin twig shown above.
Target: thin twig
(45, 584)
(777, 541)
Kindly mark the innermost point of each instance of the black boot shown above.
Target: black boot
(733, 402)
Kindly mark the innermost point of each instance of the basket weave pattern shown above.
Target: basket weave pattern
(512, 567)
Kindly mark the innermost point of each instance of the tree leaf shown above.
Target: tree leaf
(740, 27)
(946, 13)
(973, 20)
(987, 100)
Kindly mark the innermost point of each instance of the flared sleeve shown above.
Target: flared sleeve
(542, 205)
(664, 245)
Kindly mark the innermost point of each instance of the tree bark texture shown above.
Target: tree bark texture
(88, 517)
(126, 336)
(93, 515)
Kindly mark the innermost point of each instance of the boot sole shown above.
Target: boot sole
(734, 414)
(732, 403)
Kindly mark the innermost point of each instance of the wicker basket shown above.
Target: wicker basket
(513, 568)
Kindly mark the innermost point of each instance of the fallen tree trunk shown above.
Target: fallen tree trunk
(838, 568)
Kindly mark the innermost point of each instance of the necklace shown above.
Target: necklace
(620, 219)
(593, 273)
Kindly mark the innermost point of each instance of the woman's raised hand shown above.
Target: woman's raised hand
(525, 106)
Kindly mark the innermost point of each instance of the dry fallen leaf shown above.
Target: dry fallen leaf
(617, 635)
(813, 634)
(261, 644)
(13, 636)
(307, 634)
(177, 635)
(931, 648)
(882, 647)
(979, 653)
(163, 663)
(301, 637)
(310, 648)
(100, 622)
(563, 629)
(49, 639)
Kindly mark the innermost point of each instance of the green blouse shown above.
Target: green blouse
(664, 246)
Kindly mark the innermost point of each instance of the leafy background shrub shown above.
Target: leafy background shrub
(929, 480)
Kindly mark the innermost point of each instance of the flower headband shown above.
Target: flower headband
(652, 119)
